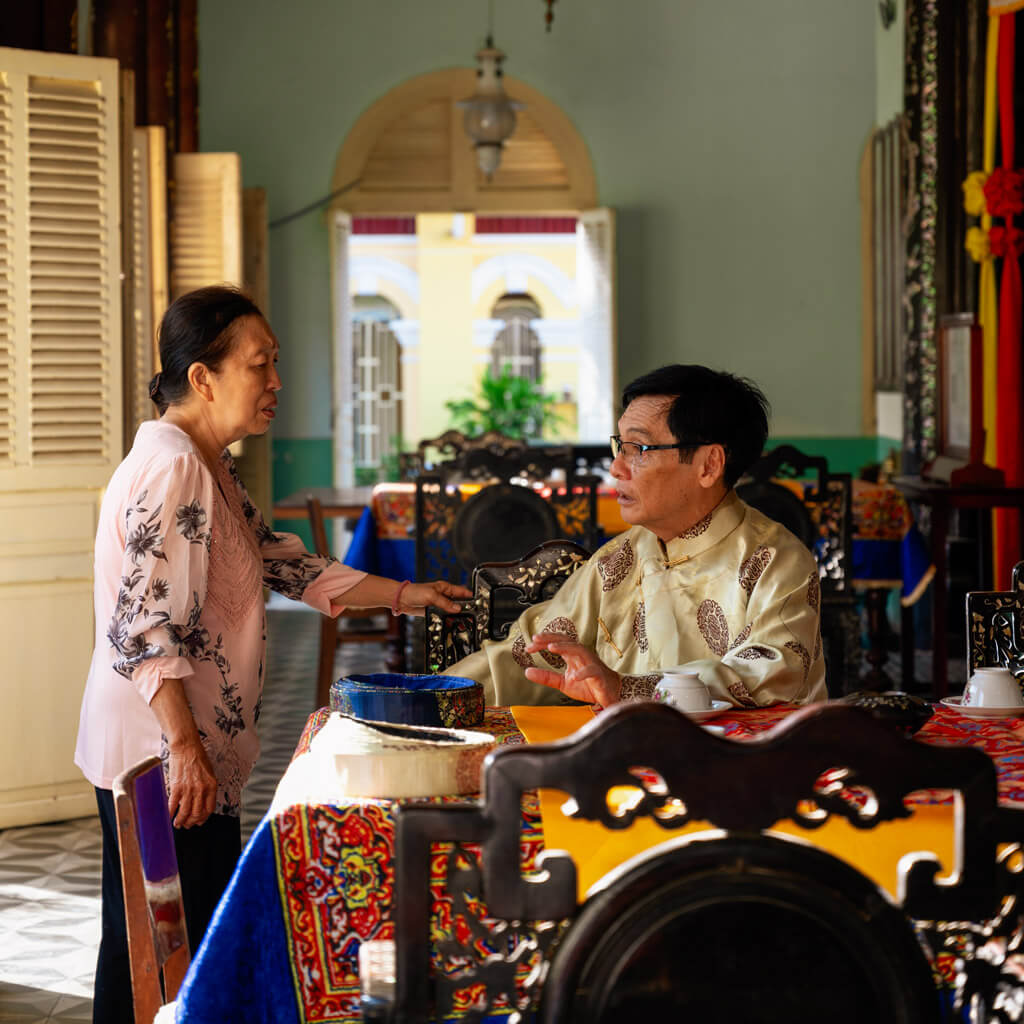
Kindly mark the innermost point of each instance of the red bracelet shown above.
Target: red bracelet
(398, 595)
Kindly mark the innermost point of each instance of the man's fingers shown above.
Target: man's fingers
(541, 675)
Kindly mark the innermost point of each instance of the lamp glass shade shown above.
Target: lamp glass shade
(490, 116)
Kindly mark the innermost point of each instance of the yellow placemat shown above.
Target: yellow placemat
(597, 850)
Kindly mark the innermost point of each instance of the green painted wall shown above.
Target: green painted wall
(300, 463)
(726, 135)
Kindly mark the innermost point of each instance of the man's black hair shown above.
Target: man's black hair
(709, 407)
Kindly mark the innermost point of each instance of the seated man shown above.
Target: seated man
(701, 580)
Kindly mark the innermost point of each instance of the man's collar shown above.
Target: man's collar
(707, 532)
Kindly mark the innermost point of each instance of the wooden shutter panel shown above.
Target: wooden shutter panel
(59, 236)
(60, 404)
(7, 353)
(68, 229)
(342, 411)
(148, 270)
(595, 272)
(206, 234)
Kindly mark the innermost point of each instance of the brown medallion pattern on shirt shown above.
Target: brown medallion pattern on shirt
(697, 529)
(640, 628)
(753, 567)
(639, 687)
(558, 625)
(814, 591)
(741, 695)
(615, 566)
(741, 638)
(803, 654)
(519, 655)
(817, 648)
(756, 651)
(713, 626)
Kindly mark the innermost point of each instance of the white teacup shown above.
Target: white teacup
(992, 688)
(683, 690)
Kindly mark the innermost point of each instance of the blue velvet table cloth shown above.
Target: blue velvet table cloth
(897, 560)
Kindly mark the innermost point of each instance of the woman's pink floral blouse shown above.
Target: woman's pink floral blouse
(181, 561)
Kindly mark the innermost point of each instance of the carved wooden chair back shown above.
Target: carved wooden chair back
(502, 591)
(679, 931)
(825, 523)
(525, 496)
(823, 520)
(157, 935)
(341, 630)
(450, 445)
(995, 627)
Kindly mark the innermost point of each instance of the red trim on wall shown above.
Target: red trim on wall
(525, 225)
(383, 225)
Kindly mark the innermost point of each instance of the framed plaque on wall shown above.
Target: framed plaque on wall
(961, 426)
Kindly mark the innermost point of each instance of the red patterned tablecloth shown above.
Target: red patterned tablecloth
(1002, 739)
(336, 862)
(336, 875)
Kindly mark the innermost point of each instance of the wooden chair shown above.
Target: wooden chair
(335, 632)
(823, 520)
(157, 935)
(506, 517)
(737, 923)
(501, 592)
(995, 627)
(450, 445)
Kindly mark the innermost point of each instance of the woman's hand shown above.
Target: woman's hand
(586, 677)
(192, 794)
(191, 783)
(415, 597)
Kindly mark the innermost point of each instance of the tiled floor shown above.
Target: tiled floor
(50, 874)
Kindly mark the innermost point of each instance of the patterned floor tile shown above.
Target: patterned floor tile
(20, 1002)
(73, 1009)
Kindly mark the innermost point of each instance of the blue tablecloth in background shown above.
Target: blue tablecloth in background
(885, 562)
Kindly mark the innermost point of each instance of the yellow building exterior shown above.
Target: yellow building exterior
(443, 284)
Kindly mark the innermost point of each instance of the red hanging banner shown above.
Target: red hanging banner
(1004, 199)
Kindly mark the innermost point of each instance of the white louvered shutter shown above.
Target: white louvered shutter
(206, 231)
(7, 349)
(595, 272)
(60, 405)
(206, 227)
(61, 270)
(148, 263)
(343, 411)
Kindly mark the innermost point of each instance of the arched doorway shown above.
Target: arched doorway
(408, 155)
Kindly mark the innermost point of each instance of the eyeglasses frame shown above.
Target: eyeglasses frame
(616, 441)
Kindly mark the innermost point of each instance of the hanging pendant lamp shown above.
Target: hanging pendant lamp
(490, 116)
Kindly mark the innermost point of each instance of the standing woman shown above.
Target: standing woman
(182, 557)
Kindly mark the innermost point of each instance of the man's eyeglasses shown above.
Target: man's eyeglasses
(635, 453)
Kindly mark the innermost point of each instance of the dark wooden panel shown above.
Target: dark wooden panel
(40, 25)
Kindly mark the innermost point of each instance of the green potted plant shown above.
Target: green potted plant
(512, 405)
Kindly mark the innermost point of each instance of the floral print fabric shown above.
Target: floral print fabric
(182, 556)
(736, 599)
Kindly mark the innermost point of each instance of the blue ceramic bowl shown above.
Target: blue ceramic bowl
(450, 702)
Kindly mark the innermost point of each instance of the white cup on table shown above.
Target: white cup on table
(683, 690)
(992, 687)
